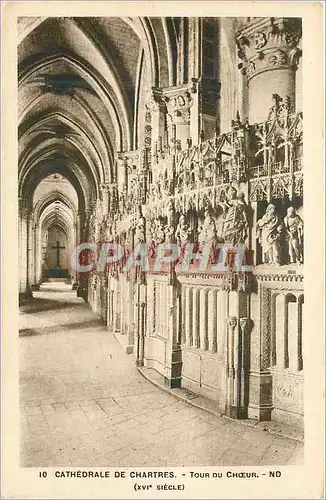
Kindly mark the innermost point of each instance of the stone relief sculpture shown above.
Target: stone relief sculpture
(158, 233)
(44, 248)
(207, 235)
(182, 235)
(179, 173)
(269, 230)
(140, 235)
(108, 231)
(235, 223)
(183, 231)
(294, 229)
(169, 228)
(207, 231)
(123, 200)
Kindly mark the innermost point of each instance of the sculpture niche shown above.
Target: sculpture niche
(207, 231)
(207, 235)
(156, 235)
(269, 234)
(294, 229)
(182, 235)
(140, 233)
(235, 223)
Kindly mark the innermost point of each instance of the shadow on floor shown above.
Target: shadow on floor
(82, 325)
(53, 289)
(36, 305)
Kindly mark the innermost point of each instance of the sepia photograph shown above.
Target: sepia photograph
(162, 199)
(161, 226)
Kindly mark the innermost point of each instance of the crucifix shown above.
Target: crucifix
(58, 248)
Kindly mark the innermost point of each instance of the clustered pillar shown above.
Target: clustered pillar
(269, 51)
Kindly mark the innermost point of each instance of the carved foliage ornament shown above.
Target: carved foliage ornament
(178, 106)
(277, 58)
(268, 44)
(260, 40)
(156, 103)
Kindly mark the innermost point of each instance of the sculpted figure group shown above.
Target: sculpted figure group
(277, 236)
(235, 222)
(272, 231)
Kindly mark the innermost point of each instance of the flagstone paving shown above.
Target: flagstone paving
(84, 403)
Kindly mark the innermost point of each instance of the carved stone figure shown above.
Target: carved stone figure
(140, 235)
(207, 232)
(182, 234)
(158, 232)
(169, 228)
(294, 228)
(235, 223)
(122, 200)
(108, 231)
(149, 237)
(183, 231)
(269, 230)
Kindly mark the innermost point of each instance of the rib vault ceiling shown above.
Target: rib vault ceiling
(79, 83)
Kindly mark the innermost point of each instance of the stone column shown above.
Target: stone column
(112, 190)
(173, 347)
(232, 345)
(188, 316)
(237, 354)
(77, 239)
(293, 334)
(195, 317)
(212, 319)
(164, 310)
(117, 306)
(22, 250)
(109, 320)
(25, 252)
(104, 296)
(243, 365)
(157, 108)
(39, 255)
(300, 332)
(203, 329)
(122, 175)
(123, 303)
(140, 322)
(269, 54)
(158, 309)
(30, 251)
(281, 331)
(179, 102)
(260, 377)
(130, 317)
(36, 256)
(105, 198)
(195, 73)
(108, 313)
(222, 312)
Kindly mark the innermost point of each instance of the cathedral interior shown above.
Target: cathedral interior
(182, 130)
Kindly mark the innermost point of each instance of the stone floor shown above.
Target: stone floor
(84, 403)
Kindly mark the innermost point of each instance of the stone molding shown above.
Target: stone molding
(178, 105)
(279, 277)
(266, 44)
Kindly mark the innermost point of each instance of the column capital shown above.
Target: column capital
(105, 186)
(232, 322)
(178, 102)
(243, 323)
(25, 212)
(156, 101)
(266, 44)
(121, 157)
